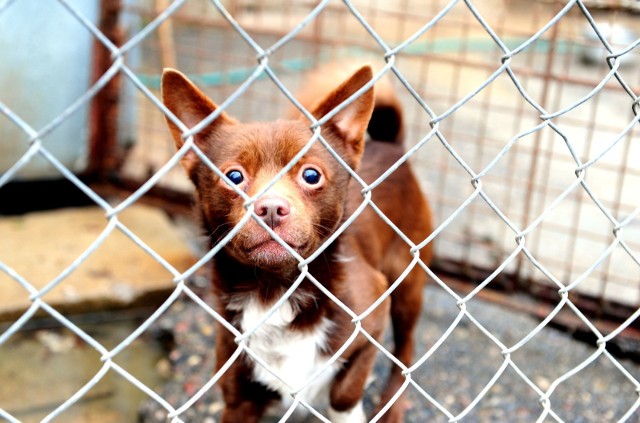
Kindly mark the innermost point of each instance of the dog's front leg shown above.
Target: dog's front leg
(365, 287)
(345, 400)
(245, 400)
(242, 412)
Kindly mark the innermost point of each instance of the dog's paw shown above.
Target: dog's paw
(353, 415)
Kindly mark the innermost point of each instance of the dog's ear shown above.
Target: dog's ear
(191, 106)
(350, 124)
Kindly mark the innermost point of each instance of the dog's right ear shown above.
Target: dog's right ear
(191, 106)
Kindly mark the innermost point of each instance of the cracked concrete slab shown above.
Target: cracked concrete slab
(40, 246)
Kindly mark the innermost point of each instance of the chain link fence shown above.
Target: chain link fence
(522, 126)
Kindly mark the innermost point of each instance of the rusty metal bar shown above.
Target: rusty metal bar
(104, 154)
(548, 79)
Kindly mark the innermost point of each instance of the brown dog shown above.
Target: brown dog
(304, 208)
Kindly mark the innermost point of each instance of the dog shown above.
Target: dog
(304, 208)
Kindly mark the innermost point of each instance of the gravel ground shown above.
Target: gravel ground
(454, 375)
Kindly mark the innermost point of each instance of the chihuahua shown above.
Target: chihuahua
(300, 351)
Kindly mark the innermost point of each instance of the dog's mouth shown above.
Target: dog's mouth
(269, 245)
(269, 253)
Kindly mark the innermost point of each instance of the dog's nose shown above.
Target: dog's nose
(272, 210)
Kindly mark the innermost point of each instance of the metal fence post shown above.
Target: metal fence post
(104, 153)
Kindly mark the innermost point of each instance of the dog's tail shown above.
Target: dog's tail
(387, 120)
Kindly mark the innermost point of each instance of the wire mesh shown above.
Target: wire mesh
(527, 154)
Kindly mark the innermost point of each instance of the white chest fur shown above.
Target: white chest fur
(294, 356)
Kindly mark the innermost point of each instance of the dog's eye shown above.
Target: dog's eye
(311, 176)
(235, 176)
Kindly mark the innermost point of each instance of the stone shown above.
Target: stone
(119, 273)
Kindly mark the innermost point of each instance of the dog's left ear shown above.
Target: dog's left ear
(350, 124)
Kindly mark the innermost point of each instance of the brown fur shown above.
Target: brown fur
(304, 215)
